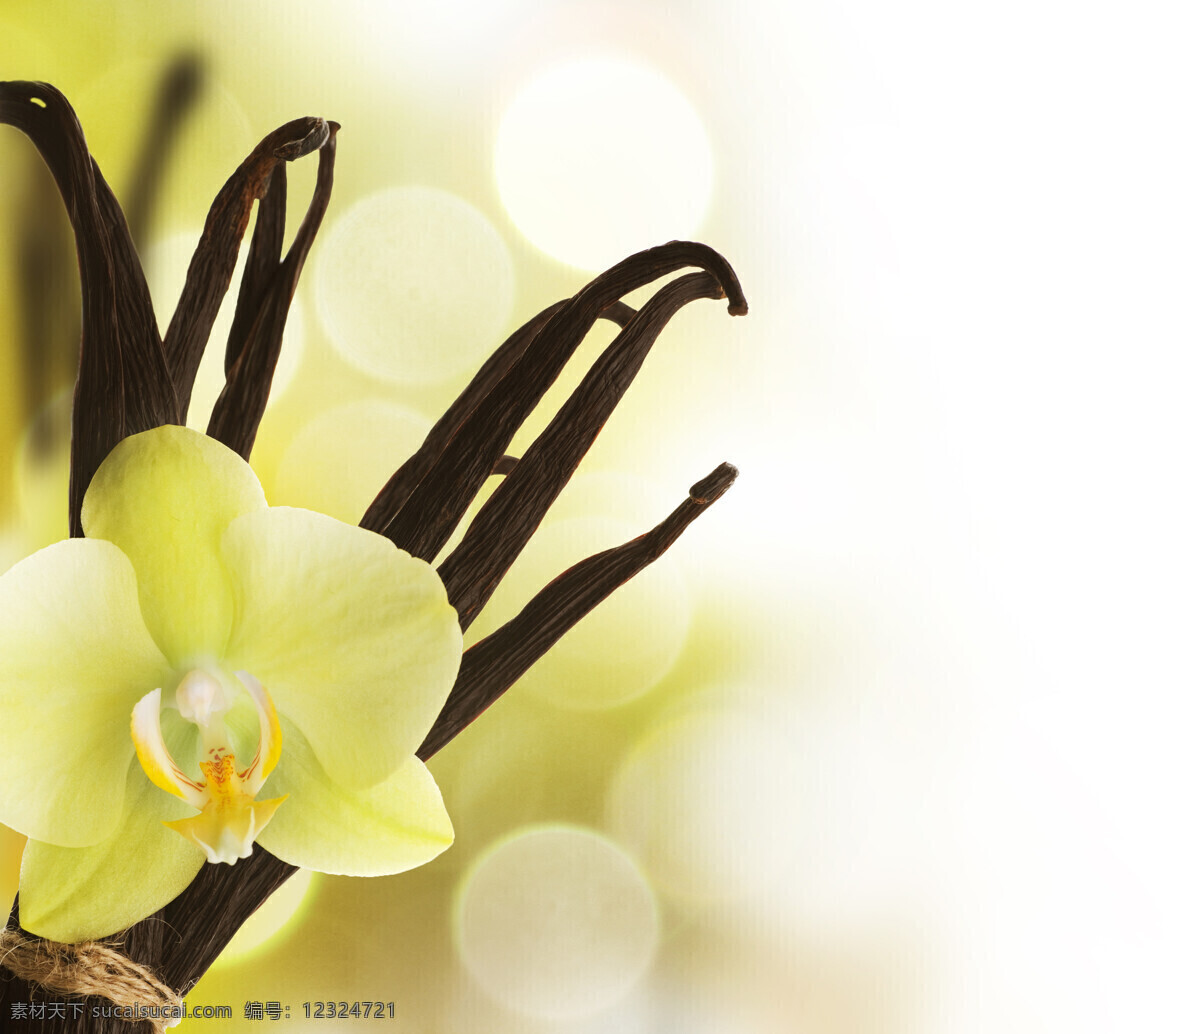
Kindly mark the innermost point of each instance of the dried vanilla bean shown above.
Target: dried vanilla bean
(400, 486)
(493, 664)
(46, 301)
(509, 518)
(212, 264)
(123, 385)
(429, 515)
(262, 263)
(267, 290)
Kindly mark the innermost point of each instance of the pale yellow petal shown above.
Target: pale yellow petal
(75, 657)
(391, 827)
(166, 497)
(353, 638)
(81, 893)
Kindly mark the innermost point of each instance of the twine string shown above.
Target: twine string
(91, 969)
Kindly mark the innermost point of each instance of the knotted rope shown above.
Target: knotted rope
(91, 968)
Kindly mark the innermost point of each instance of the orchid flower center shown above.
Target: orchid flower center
(230, 818)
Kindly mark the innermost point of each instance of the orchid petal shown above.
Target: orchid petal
(74, 894)
(391, 827)
(165, 497)
(75, 657)
(353, 638)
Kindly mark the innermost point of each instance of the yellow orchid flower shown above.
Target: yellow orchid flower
(195, 649)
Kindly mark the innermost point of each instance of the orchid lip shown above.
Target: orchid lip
(230, 818)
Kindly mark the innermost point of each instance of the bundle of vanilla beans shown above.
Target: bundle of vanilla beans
(130, 379)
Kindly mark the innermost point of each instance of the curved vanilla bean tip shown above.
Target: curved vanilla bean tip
(211, 268)
(505, 465)
(647, 266)
(17, 95)
(493, 664)
(317, 133)
(710, 489)
(507, 521)
(427, 517)
(124, 383)
(265, 297)
(47, 301)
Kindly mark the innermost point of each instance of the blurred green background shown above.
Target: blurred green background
(844, 761)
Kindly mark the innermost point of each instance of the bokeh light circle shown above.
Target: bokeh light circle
(620, 650)
(166, 271)
(602, 157)
(706, 803)
(556, 923)
(337, 462)
(414, 285)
